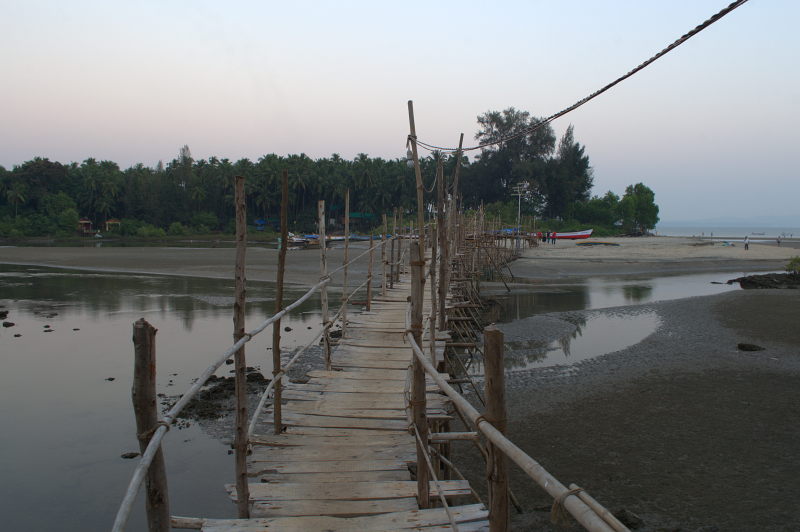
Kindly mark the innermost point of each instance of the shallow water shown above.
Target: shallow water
(66, 424)
(604, 292)
(595, 335)
(603, 333)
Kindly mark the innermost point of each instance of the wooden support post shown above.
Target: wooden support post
(345, 295)
(418, 173)
(276, 327)
(496, 466)
(434, 285)
(145, 407)
(323, 272)
(383, 256)
(369, 274)
(240, 439)
(399, 248)
(418, 402)
(441, 228)
(391, 255)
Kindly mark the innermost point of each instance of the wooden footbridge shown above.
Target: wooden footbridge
(366, 443)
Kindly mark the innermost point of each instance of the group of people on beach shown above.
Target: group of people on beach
(547, 237)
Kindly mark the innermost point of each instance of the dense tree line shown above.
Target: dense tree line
(43, 197)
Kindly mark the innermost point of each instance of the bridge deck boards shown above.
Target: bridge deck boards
(343, 461)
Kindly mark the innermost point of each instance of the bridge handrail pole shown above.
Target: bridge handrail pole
(276, 327)
(496, 463)
(574, 505)
(240, 365)
(383, 256)
(147, 457)
(418, 399)
(146, 410)
(345, 260)
(369, 274)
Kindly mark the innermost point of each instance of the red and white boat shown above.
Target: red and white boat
(576, 235)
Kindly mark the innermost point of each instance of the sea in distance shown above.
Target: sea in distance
(731, 232)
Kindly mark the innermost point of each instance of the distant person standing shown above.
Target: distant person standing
(779, 240)
(553, 236)
(747, 242)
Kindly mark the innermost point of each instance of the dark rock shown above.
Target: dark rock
(750, 347)
(229, 361)
(8, 324)
(17, 335)
(129, 456)
(629, 519)
(309, 327)
(770, 280)
(48, 330)
(3, 314)
(46, 326)
(76, 329)
(287, 328)
(109, 379)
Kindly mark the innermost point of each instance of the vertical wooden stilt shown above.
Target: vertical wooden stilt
(496, 467)
(323, 294)
(145, 407)
(392, 264)
(369, 274)
(383, 256)
(346, 259)
(412, 137)
(418, 399)
(276, 327)
(240, 439)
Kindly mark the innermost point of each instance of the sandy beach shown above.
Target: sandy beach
(682, 429)
(632, 256)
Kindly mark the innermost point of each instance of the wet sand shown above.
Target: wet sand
(302, 265)
(682, 429)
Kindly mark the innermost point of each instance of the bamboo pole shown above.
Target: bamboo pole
(146, 410)
(496, 466)
(383, 256)
(418, 399)
(240, 440)
(391, 255)
(399, 248)
(276, 327)
(369, 274)
(412, 137)
(346, 259)
(442, 230)
(323, 273)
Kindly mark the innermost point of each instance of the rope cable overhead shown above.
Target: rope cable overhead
(675, 44)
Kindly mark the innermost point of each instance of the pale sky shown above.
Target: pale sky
(711, 127)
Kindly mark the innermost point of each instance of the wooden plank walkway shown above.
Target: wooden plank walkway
(343, 462)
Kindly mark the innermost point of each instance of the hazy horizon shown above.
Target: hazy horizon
(709, 127)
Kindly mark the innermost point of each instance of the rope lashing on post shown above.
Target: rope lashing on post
(146, 435)
(558, 514)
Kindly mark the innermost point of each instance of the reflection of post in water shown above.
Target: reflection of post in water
(636, 293)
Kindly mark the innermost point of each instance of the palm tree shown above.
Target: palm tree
(16, 194)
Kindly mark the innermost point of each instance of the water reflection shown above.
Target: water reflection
(75, 378)
(606, 292)
(592, 336)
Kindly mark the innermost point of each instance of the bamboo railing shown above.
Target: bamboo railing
(138, 476)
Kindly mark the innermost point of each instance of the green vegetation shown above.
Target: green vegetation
(545, 179)
(794, 265)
